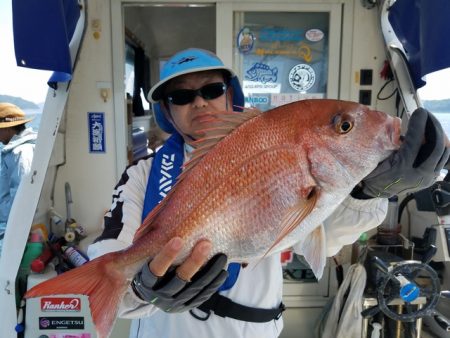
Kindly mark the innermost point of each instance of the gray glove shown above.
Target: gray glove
(172, 294)
(414, 166)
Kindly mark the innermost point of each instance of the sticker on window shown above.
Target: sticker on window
(261, 72)
(302, 77)
(314, 35)
(245, 40)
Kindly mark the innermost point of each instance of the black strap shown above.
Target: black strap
(225, 307)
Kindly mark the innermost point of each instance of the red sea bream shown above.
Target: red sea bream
(256, 184)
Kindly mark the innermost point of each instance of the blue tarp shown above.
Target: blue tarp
(42, 33)
(423, 27)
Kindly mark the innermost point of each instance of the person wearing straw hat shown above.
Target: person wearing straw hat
(16, 156)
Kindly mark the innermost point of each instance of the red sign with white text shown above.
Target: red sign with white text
(60, 304)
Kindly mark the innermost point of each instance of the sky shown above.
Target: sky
(31, 84)
(437, 87)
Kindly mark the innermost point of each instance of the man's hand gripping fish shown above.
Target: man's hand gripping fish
(257, 184)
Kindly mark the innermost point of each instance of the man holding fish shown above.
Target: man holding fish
(252, 184)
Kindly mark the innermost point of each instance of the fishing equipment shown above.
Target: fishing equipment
(407, 291)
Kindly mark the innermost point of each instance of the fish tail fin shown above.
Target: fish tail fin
(314, 250)
(102, 280)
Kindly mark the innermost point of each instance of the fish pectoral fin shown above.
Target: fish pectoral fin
(313, 248)
(308, 200)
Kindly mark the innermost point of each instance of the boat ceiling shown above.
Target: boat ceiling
(166, 30)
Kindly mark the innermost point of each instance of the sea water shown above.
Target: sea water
(36, 115)
(444, 118)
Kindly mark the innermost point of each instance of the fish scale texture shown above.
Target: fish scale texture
(239, 193)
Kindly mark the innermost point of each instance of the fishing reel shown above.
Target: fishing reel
(408, 290)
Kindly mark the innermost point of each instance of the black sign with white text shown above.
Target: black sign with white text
(54, 323)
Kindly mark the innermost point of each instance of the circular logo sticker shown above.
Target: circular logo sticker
(44, 322)
(302, 77)
(245, 40)
(314, 35)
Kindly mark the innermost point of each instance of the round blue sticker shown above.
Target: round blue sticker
(245, 40)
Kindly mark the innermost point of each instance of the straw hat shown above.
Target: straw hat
(11, 115)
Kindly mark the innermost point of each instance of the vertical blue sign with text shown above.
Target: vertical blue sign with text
(96, 125)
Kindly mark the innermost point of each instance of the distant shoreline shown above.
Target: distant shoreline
(438, 106)
(18, 101)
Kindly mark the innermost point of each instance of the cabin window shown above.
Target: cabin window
(282, 57)
(129, 70)
(137, 77)
(137, 85)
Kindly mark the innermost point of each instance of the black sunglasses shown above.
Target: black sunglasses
(208, 92)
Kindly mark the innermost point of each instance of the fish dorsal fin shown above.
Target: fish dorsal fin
(218, 127)
(297, 214)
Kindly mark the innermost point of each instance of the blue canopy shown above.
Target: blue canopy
(42, 33)
(423, 27)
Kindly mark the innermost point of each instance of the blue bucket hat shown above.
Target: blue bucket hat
(190, 61)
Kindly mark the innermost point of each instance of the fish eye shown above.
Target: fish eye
(342, 123)
(344, 126)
